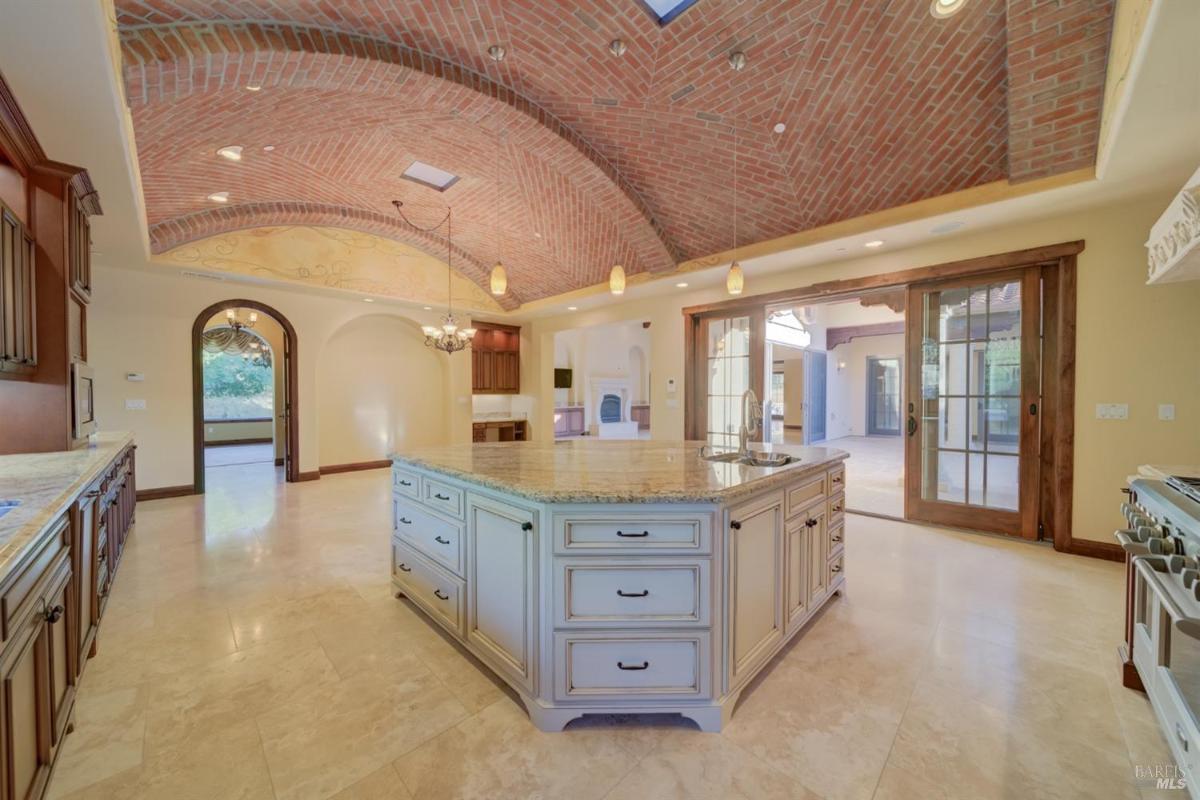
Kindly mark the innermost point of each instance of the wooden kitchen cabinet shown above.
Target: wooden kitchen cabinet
(495, 359)
(568, 421)
(756, 583)
(79, 242)
(18, 293)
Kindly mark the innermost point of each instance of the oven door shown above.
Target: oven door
(83, 408)
(1167, 656)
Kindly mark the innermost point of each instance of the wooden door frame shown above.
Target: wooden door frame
(1058, 264)
(291, 389)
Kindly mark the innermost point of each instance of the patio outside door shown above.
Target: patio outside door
(972, 401)
(883, 396)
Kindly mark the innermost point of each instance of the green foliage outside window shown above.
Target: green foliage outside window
(235, 388)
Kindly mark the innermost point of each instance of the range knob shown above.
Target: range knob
(1161, 547)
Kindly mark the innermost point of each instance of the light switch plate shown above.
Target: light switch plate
(1166, 411)
(135, 404)
(1112, 411)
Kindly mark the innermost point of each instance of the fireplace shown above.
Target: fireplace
(609, 408)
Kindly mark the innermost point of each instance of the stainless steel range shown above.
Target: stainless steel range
(1161, 653)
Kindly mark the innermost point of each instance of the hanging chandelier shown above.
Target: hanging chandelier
(231, 319)
(449, 338)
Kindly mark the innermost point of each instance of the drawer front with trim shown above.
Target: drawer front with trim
(837, 571)
(837, 539)
(436, 590)
(837, 508)
(837, 479)
(804, 495)
(406, 482)
(20, 590)
(443, 498)
(635, 667)
(633, 533)
(439, 539)
(632, 593)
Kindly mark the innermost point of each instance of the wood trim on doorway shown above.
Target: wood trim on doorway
(291, 389)
(1058, 263)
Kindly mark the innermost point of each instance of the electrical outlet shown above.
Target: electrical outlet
(1166, 411)
(1112, 411)
(135, 404)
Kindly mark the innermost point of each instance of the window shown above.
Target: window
(237, 388)
(777, 394)
(664, 11)
(783, 328)
(428, 175)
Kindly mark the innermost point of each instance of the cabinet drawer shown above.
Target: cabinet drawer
(432, 588)
(406, 482)
(837, 479)
(804, 494)
(591, 594)
(442, 497)
(837, 508)
(439, 539)
(633, 533)
(837, 539)
(648, 666)
(837, 572)
(20, 591)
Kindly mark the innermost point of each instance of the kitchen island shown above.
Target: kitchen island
(608, 577)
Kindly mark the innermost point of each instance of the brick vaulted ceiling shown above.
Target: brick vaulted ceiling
(571, 158)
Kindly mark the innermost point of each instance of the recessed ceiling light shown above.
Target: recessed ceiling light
(941, 9)
(233, 152)
(253, 87)
(368, 300)
(572, 308)
(428, 308)
(617, 47)
(497, 52)
(219, 197)
(429, 175)
(681, 285)
(538, 235)
(779, 127)
(874, 243)
(269, 148)
(946, 227)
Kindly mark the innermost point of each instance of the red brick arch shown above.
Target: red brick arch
(336, 107)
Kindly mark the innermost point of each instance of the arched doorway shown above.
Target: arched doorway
(287, 359)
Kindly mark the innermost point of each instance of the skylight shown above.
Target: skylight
(666, 10)
(430, 176)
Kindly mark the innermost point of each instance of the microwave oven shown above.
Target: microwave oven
(83, 400)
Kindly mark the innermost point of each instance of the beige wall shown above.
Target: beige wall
(141, 321)
(846, 388)
(1136, 343)
(379, 389)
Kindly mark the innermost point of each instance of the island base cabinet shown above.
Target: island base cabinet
(755, 575)
(502, 586)
(429, 586)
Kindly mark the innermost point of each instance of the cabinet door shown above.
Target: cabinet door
(482, 371)
(755, 575)
(818, 553)
(575, 426)
(10, 254)
(80, 244)
(502, 586)
(508, 372)
(59, 619)
(796, 557)
(25, 745)
(85, 533)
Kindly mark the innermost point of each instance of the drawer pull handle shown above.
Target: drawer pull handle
(54, 614)
(837, 478)
(405, 521)
(733, 523)
(440, 540)
(1182, 738)
(526, 526)
(642, 593)
(837, 538)
(811, 523)
(404, 567)
(438, 594)
(440, 497)
(837, 508)
(836, 568)
(405, 483)
(630, 667)
(641, 535)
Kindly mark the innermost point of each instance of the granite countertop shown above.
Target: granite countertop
(606, 471)
(46, 484)
(1164, 471)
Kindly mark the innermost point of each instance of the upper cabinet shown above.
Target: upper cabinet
(1173, 249)
(18, 306)
(80, 247)
(496, 359)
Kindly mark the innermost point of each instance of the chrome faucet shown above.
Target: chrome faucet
(752, 421)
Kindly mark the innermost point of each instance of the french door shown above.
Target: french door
(883, 396)
(974, 375)
(730, 359)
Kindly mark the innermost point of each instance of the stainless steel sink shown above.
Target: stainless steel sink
(751, 458)
(7, 506)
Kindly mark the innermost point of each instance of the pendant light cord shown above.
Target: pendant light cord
(449, 246)
(735, 166)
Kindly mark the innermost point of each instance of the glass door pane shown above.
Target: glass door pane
(728, 357)
(971, 387)
(883, 396)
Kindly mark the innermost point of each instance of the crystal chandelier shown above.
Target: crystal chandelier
(231, 319)
(449, 338)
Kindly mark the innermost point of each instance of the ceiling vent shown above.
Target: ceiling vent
(187, 273)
